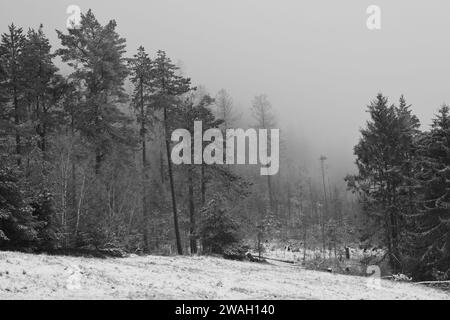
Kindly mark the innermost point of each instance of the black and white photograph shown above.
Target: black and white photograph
(225, 156)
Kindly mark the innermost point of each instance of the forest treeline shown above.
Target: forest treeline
(86, 164)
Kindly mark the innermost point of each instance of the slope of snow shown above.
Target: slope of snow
(27, 276)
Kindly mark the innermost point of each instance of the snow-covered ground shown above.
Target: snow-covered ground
(27, 276)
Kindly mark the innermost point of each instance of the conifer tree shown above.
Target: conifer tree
(96, 53)
(169, 86)
(11, 48)
(141, 68)
(383, 150)
(17, 224)
(430, 230)
(43, 86)
(195, 107)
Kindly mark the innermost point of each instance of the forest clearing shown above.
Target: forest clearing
(29, 276)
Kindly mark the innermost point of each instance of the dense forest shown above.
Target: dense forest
(85, 164)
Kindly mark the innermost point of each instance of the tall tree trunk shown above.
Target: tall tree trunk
(144, 196)
(192, 228)
(269, 190)
(325, 206)
(161, 164)
(172, 187)
(44, 132)
(99, 154)
(393, 228)
(289, 204)
(396, 265)
(77, 224)
(396, 228)
(98, 161)
(17, 123)
(44, 141)
(73, 191)
(203, 183)
(305, 238)
(144, 175)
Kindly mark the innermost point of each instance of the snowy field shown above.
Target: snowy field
(27, 276)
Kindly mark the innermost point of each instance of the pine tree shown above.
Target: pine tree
(44, 88)
(430, 227)
(5, 125)
(96, 53)
(141, 68)
(384, 155)
(100, 132)
(11, 48)
(3, 96)
(195, 107)
(169, 85)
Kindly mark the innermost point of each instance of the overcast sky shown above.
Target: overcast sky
(316, 60)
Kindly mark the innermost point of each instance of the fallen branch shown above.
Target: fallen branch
(286, 261)
(431, 282)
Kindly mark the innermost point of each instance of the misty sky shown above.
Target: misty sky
(316, 60)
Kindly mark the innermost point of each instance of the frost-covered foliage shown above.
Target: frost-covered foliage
(404, 185)
(384, 155)
(429, 227)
